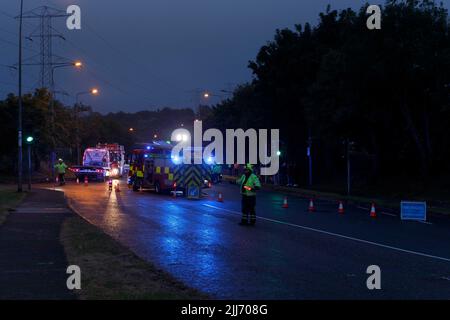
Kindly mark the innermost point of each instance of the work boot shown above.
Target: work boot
(252, 222)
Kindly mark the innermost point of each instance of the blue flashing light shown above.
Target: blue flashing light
(176, 160)
(210, 160)
(148, 147)
(145, 155)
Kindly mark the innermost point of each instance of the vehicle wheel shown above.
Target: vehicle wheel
(157, 188)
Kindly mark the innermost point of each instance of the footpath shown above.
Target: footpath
(32, 259)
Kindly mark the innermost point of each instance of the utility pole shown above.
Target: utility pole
(46, 33)
(19, 158)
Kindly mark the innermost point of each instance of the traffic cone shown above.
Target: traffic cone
(118, 186)
(78, 180)
(220, 198)
(86, 181)
(285, 203)
(311, 207)
(57, 179)
(373, 212)
(110, 186)
(341, 208)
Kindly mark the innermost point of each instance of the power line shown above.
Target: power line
(123, 55)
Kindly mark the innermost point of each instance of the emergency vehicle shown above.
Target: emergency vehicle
(96, 164)
(116, 158)
(165, 173)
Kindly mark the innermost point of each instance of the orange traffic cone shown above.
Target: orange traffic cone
(118, 186)
(373, 212)
(285, 203)
(220, 198)
(86, 181)
(311, 207)
(341, 208)
(110, 185)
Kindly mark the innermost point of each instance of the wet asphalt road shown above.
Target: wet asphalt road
(290, 254)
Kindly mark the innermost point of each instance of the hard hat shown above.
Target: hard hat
(60, 160)
(249, 166)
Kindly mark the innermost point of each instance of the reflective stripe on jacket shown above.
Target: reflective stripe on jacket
(140, 172)
(252, 182)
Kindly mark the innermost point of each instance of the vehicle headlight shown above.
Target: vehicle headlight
(115, 172)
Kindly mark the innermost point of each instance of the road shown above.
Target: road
(290, 253)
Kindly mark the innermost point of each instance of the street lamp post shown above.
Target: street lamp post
(19, 141)
(93, 91)
(30, 141)
(349, 145)
(308, 152)
(76, 64)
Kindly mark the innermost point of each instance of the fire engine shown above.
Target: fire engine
(165, 173)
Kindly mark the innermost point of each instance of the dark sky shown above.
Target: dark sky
(145, 54)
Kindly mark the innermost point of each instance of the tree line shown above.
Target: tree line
(387, 92)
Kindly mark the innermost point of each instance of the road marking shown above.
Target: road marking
(338, 235)
(389, 214)
(424, 222)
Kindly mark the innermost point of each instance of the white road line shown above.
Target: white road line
(424, 222)
(389, 214)
(338, 235)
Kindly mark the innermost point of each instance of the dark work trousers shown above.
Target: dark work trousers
(248, 208)
(62, 180)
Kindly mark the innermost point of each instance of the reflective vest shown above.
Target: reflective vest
(251, 182)
(61, 168)
(140, 172)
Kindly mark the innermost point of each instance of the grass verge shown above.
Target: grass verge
(109, 271)
(9, 199)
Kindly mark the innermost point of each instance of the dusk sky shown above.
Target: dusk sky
(151, 54)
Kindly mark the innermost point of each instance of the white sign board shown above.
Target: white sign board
(413, 210)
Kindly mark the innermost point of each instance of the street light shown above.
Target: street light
(19, 131)
(94, 92)
(29, 140)
(77, 64)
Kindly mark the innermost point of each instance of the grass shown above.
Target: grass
(111, 271)
(9, 199)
